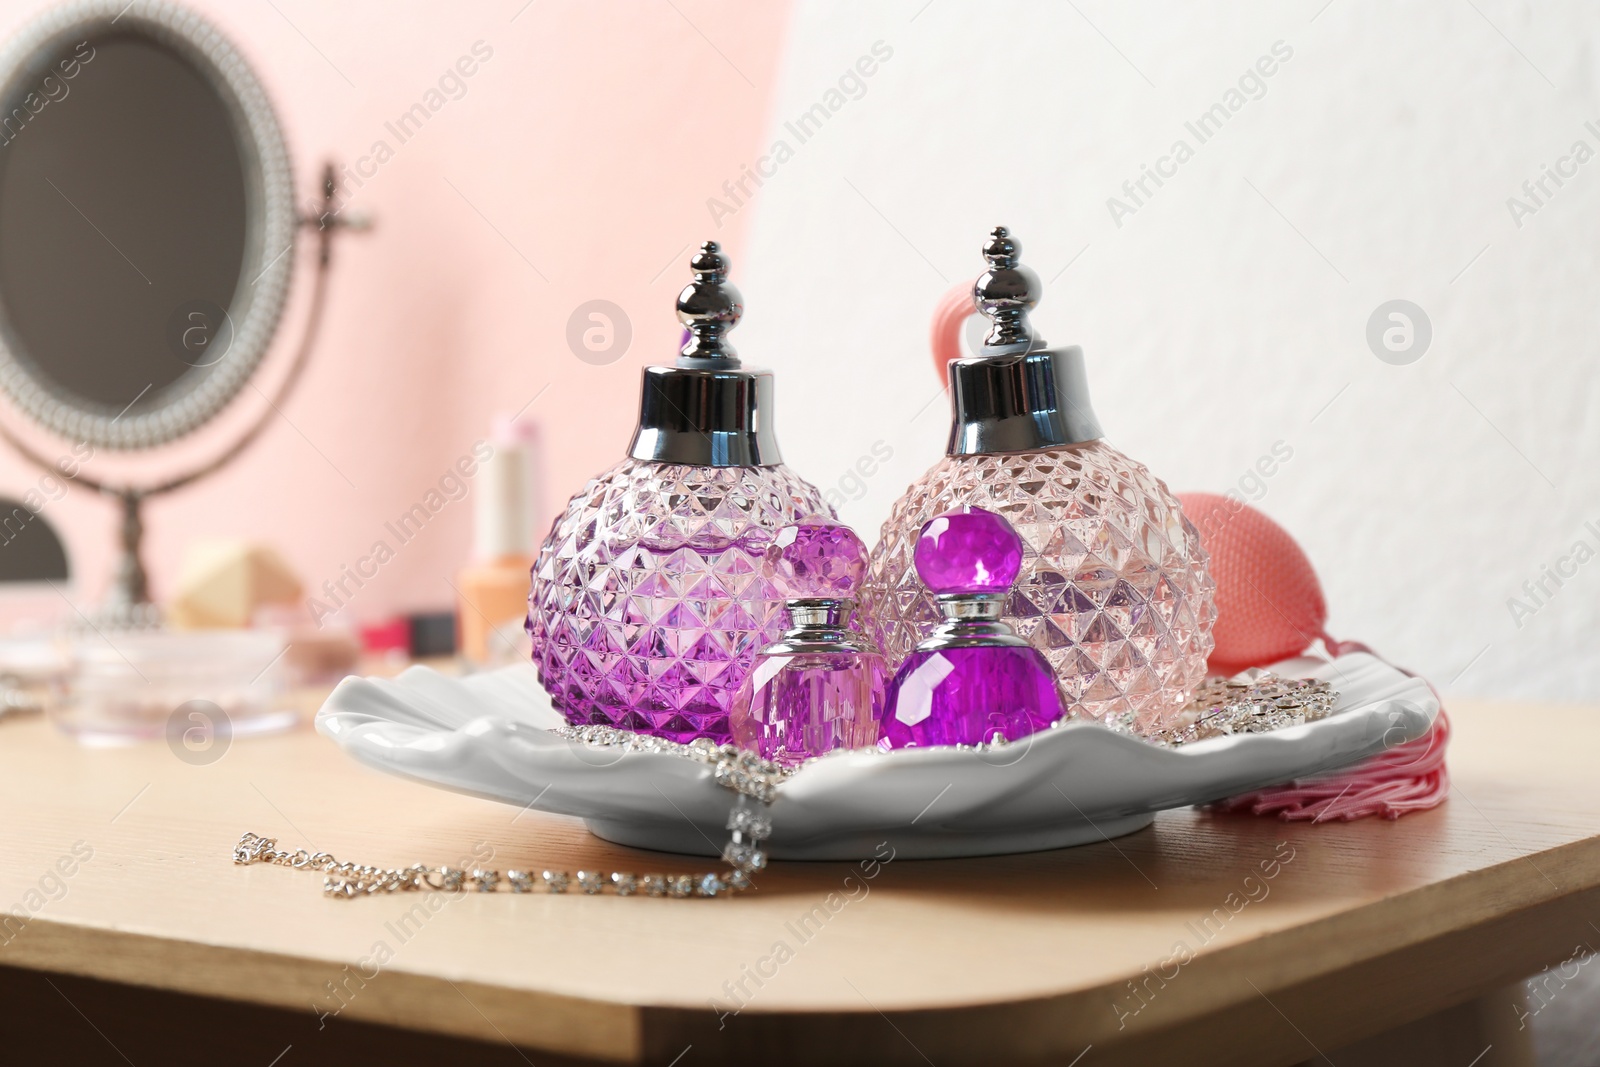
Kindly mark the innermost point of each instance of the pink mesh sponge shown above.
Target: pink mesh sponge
(1269, 603)
(1270, 607)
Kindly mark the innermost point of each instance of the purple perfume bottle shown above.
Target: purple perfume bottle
(1114, 587)
(973, 678)
(821, 686)
(648, 602)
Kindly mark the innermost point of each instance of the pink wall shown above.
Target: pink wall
(589, 140)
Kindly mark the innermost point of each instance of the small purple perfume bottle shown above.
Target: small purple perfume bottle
(973, 677)
(821, 686)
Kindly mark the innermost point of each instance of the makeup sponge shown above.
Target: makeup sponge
(1270, 607)
(1269, 602)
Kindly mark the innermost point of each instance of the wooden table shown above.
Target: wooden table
(1203, 940)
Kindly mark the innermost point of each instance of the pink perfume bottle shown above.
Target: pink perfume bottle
(821, 686)
(648, 602)
(973, 679)
(1114, 588)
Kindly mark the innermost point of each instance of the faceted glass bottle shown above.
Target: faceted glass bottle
(1114, 588)
(821, 687)
(804, 703)
(973, 679)
(648, 603)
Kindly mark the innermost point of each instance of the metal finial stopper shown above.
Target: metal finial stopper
(709, 306)
(1017, 395)
(1006, 292)
(707, 410)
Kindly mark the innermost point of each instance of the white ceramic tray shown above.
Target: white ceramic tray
(488, 735)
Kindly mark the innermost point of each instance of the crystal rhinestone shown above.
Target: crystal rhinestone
(741, 777)
(520, 881)
(1252, 702)
(743, 856)
(709, 885)
(624, 883)
(750, 821)
(655, 884)
(484, 880)
(680, 885)
(450, 879)
(739, 880)
(556, 881)
(591, 882)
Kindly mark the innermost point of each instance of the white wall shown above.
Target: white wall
(1229, 312)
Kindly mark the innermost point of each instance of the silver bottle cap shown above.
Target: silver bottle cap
(1018, 395)
(971, 620)
(820, 624)
(707, 410)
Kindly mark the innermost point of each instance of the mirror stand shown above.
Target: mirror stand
(130, 587)
(128, 603)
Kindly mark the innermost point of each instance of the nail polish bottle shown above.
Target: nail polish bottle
(1114, 587)
(821, 686)
(973, 678)
(493, 588)
(648, 603)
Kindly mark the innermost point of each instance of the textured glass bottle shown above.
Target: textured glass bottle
(1114, 588)
(648, 602)
(821, 687)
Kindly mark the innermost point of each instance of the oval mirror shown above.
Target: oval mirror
(146, 222)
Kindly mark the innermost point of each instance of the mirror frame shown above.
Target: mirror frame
(270, 226)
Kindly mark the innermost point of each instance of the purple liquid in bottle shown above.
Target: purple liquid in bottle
(973, 678)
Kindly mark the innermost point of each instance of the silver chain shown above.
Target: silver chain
(749, 824)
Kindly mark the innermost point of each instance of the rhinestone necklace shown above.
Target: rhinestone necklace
(1254, 702)
(749, 823)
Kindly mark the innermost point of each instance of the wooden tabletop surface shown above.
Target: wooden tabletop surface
(117, 865)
